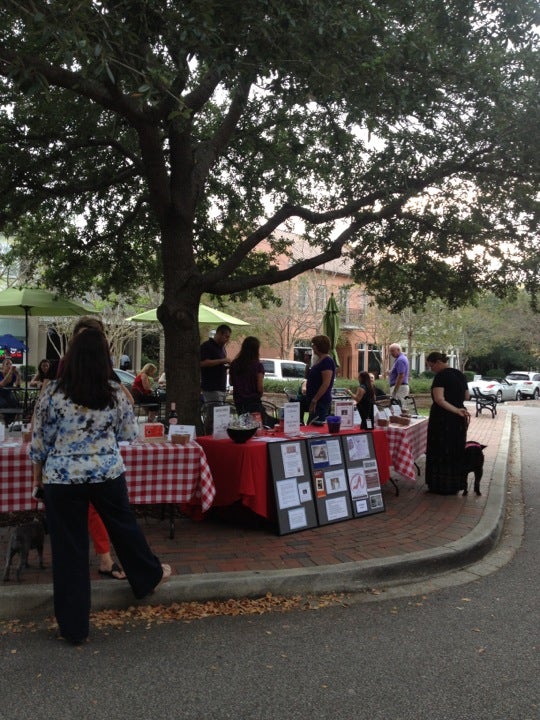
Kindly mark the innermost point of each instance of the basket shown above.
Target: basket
(400, 420)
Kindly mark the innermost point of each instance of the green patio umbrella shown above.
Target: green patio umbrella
(330, 326)
(207, 316)
(40, 303)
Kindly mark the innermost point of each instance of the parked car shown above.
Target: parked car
(125, 377)
(501, 389)
(529, 382)
(275, 369)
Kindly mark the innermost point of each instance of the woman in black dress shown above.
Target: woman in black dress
(447, 428)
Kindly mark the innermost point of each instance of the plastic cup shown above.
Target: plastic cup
(334, 424)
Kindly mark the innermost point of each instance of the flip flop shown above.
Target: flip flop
(109, 573)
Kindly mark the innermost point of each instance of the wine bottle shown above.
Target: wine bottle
(173, 415)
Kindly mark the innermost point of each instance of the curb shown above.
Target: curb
(36, 601)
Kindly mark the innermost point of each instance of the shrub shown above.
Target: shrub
(496, 372)
(278, 386)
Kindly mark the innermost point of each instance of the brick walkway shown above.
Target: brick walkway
(415, 520)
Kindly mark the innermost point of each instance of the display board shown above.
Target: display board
(330, 486)
(362, 474)
(291, 478)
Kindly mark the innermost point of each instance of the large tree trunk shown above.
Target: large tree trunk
(178, 314)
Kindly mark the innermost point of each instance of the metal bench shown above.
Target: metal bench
(341, 394)
(10, 415)
(484, 402)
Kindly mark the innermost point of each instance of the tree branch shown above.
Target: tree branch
(399, 195)
(273, 276)
(106, 96)
(197, 98)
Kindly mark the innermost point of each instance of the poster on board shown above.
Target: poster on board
(362, 474)
(293, 490)
(330, 482)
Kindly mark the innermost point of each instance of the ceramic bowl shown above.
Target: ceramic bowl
(241, 435)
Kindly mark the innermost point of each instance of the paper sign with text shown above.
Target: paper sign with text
(222, 418)
(345, 410)
(291, 418)
(182, 430)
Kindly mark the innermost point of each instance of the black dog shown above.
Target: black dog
(24, 538)
(474, 462)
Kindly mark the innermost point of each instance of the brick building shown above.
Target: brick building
(302, 313)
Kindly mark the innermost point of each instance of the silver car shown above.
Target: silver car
(125, 377)
(501, 389)
(529, 382)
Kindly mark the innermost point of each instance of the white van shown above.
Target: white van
(275, 369)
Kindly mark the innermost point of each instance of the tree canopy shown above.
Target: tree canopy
(150, 141)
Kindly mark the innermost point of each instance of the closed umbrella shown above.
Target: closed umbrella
(207, 315)
(39, 303)
(331, 326)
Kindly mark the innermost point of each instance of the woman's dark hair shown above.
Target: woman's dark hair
(435, 356)
(86, 371)
(321, 343)
(43, 374)
(364, 378)
(248, 355)
(88, 323)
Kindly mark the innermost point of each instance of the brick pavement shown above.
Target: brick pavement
(413, 521)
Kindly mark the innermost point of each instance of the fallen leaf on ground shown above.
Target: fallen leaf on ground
(189, 611)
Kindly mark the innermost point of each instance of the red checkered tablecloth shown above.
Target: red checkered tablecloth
(15, 478)
(407, 443)
(165, 473)
(155, 473)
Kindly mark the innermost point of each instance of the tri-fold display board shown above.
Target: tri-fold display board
(293, 489)
(324, 479)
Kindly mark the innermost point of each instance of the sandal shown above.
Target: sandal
(114, 569)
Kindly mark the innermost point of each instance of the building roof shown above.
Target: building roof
(302, 250)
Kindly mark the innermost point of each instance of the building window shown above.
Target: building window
(320, 299)
(364, 302)
(303, 298)
(343, 303)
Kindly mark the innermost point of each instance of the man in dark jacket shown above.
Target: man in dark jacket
(214, 364)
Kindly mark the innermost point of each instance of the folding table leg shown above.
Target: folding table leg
(170, 508)
(171, 521)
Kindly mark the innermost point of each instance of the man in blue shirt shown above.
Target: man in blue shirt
(399, 374)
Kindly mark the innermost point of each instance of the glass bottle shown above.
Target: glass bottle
(173, 415)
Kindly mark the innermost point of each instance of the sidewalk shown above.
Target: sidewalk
(419, 534)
